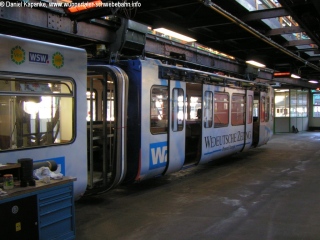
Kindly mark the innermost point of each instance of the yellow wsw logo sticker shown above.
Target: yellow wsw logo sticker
(18, 55)
(57, 60)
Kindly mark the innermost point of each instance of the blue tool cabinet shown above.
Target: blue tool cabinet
(45, 211)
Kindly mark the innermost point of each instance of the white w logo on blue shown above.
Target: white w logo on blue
(158, 155)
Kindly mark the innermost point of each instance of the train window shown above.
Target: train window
(263, 109)
(177, 109)
(92, 112)
(221, 110)
(207, 109)
(238, 109)
(110, 105)
(250, 109)
(35, 111)
(255, 110)
(159, 109)
(195, 107)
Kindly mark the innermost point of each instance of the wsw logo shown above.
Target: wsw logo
(38, 57)
(158, 155)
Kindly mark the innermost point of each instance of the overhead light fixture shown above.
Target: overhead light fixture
(281, 90)
(255, 63)
(174, 34)
(285, 74)
(281, 74)
(294, 75)
(84, 6)
(313, 81)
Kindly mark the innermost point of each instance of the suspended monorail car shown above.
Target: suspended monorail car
(135, 120)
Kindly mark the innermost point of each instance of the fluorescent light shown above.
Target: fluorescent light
(294, 76)
(175, 34)
(313, 81)
(255, 63)
(281, 90)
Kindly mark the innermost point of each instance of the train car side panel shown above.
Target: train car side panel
(228, 134)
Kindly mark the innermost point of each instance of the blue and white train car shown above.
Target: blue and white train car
(43, 105)
(179, 117)
(108, 124)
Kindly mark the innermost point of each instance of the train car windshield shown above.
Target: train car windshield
(35, 111)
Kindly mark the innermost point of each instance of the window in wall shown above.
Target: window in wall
(207, 108)
(35, 111)
(159, 109)
(298, 103)
(221, 110)
(282, 103)
(177, 109)
(316, 104)
(238, 109)
(316, 99)
(302, 103)
(316, 111)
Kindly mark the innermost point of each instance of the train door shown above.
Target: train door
(176, 126)
(259, 118)
(193, 123)
(248, 120)
(256, 119)
(207, 110)
(106, 120)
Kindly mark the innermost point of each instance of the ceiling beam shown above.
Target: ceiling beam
(294, 15)
(284, 30)
(257, 34)
(55, 22)
(264, 14)
(296, 82)
(298, 42)
(314, 59)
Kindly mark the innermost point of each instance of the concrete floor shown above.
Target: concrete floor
(271, 192)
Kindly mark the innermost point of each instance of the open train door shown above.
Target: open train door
(259, 116)
(106, 121)
(176, 126)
